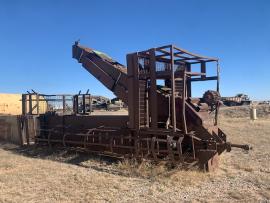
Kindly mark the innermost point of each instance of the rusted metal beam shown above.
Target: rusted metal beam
(173, 91)
(203, 70)
(205, 79)
(188, 69)
(153, 89)
(184, 124)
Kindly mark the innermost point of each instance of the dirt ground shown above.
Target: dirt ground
(40, 175)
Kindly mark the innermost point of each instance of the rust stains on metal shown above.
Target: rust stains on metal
(164, 123)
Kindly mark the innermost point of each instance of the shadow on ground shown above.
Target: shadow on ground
(97, 162)
(64, 155)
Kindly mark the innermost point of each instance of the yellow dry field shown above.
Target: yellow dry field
(10, 104)
(40, 175)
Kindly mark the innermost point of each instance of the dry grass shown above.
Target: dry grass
(37, 175)
(263, 111)
(10, 104)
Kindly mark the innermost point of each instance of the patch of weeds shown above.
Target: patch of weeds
(236, 195)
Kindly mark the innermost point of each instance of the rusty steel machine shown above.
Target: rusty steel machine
(164, 121)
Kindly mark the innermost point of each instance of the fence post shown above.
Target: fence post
(253, 112)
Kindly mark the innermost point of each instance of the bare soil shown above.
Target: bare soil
(43, 175)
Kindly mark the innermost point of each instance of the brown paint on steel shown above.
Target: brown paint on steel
(164, 124)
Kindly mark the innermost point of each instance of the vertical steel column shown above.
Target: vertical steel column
(203, 70)
(64, 104)
(30, 104)
(184, 124)
(75, 104)
(90, 104)
(47, 104)
(218, 76)
(147, 105)
(37, 97)
(173, 89)
(83, 104)
(217, 105)
(133, 90)
(188, 65)
(24, 102)
(153, 89)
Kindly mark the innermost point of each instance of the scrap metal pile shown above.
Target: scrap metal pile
(164, 121)
(238, 100)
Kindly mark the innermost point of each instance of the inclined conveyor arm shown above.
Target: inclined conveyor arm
(109, 72)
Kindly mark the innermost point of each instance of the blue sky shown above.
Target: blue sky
(36, 39)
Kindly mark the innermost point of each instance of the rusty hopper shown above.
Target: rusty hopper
(164, 122)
